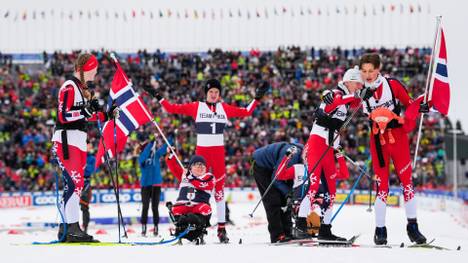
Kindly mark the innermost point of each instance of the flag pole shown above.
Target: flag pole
(112, 55)
(109, 168)
(428, 81)
(167, 142)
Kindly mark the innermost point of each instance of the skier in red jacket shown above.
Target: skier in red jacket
(211, 118)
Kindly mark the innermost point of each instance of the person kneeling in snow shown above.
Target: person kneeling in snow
(192, 208)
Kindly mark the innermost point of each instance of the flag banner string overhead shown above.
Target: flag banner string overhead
(411, 9)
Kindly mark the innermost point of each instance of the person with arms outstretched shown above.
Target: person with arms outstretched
(211, 117)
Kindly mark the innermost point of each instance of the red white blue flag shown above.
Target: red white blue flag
(133, 114)
(439, 89)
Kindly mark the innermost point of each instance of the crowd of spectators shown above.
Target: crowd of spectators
(28, 103)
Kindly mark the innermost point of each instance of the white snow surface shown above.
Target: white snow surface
(255, 245)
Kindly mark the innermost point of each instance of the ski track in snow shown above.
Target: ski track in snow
(253, 232)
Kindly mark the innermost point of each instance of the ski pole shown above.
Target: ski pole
(371, 184)
(120, 219)
(363, 171)
(371, 181)
(347, 121)
(355, 164)
(280, 169)
(106, 159)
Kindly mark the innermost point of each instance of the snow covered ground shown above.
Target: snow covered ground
(253, 232)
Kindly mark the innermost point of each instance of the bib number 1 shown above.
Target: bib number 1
(213, 127)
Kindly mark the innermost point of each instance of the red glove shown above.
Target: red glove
(342, 172)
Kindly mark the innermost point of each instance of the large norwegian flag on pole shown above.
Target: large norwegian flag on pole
(438, 92)
(439, 89)
(133, 114)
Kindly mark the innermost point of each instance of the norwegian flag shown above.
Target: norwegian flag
(133, 114)
(439, 90)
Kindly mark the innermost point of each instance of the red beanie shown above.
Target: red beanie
(91, 64)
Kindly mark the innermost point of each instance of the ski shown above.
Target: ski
(315, 242)
(430, 245)
(100, 244)
(136, 243)
(93, 244)
(295, 242)
(318, 242)
(333, 243)
(402, 245)
(419, 245)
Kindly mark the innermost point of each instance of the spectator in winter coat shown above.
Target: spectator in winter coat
(150, 182)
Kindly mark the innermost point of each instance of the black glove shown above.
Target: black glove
(90, 108)
(366, 93)
(262, 89)
(94, 105)
(153, 92)
(113, 113)
(328, 97)
(291, 150)
(424, 107)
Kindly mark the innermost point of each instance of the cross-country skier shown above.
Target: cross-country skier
(211, 118)
(329, 118)
(76, 107)
(193, 203)
(391, 143)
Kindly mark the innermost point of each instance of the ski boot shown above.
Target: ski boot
(326, 234)
(74, 234)
(300, 230)
(380, 236)
(222, 234)
(282, 238)
(413, 232)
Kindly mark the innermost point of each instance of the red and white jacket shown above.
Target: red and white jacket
(71, 115)
(338, 110)
(391, 94)
(210, 119)
(192, 189)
